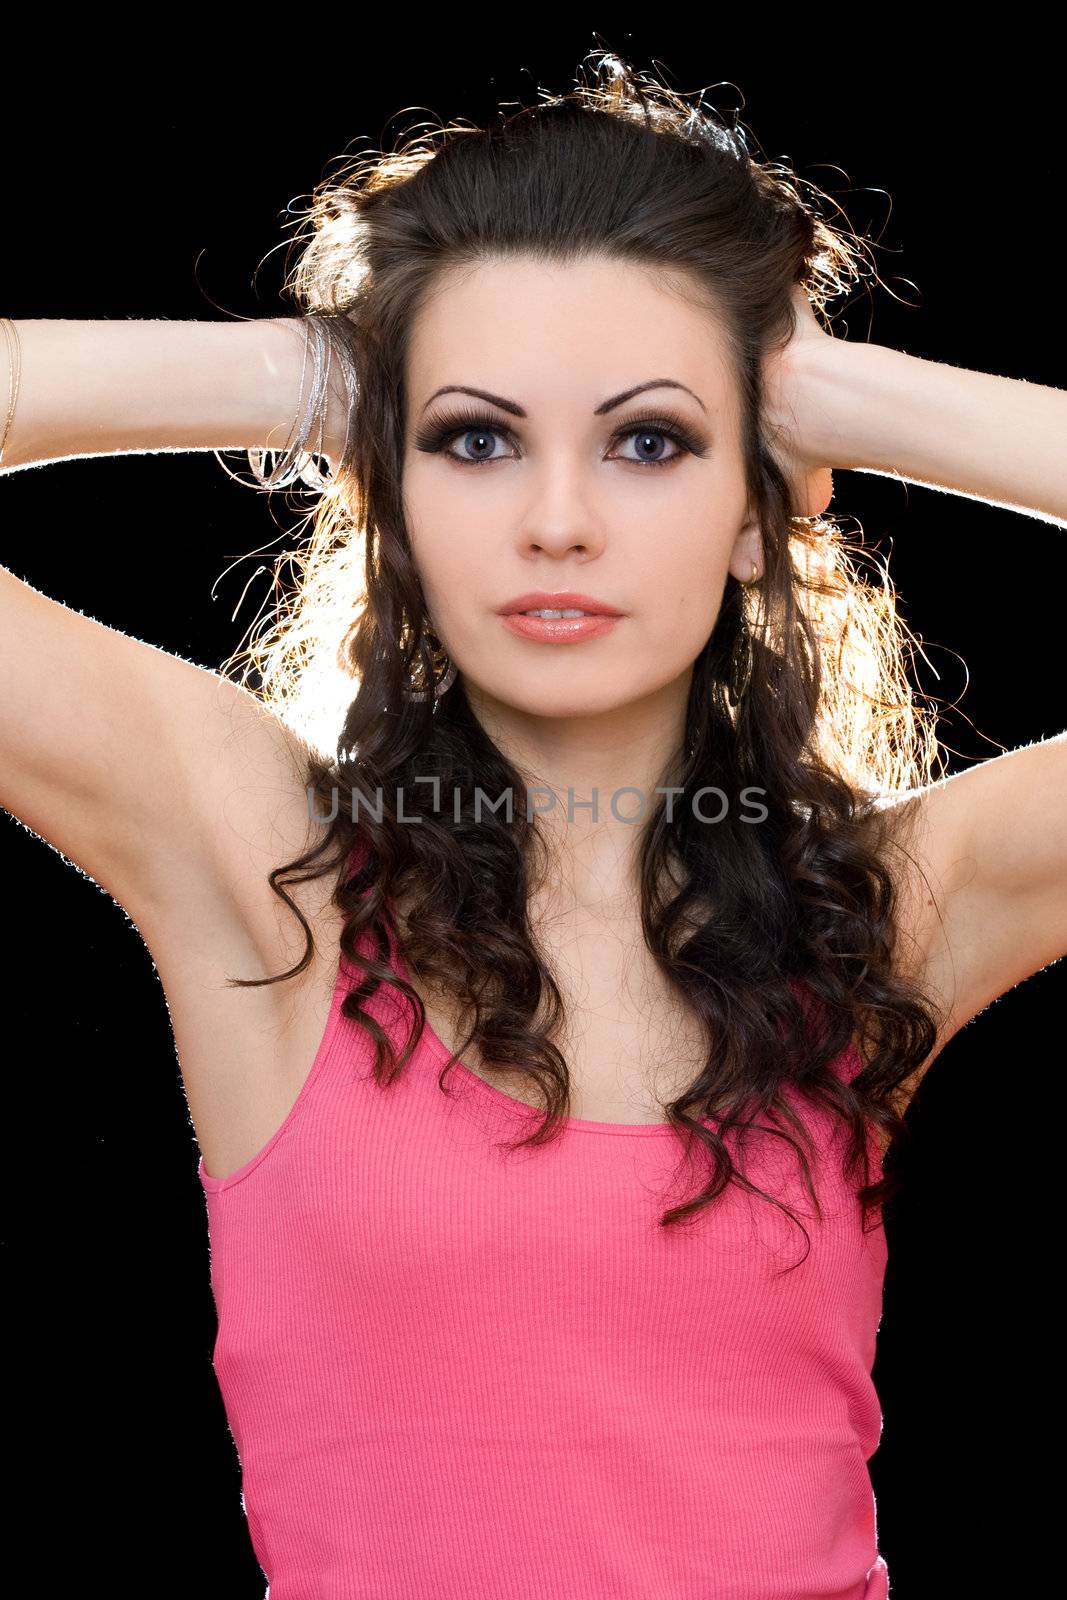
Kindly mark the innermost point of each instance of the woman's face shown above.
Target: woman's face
(568, 488)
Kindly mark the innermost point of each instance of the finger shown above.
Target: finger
(818, 492)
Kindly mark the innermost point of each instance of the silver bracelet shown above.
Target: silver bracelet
(14, 344)
(297, 463)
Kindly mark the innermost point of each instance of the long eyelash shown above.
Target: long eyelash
(439, 431)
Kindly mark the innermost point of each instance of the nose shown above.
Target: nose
(561, 535)
(559, 515)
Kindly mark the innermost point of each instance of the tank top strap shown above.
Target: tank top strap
(355, 859)
(848, 1063)
(357, 853)
(344, 1050)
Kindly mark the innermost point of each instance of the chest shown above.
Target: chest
(630, 1040)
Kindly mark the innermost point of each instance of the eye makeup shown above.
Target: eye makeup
(440, 430)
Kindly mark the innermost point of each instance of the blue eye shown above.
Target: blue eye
(439, 432)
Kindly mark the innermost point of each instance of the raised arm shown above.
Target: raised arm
(160, 779)
(121, 388)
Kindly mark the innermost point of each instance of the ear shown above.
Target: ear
(815, 495)
(748, 549)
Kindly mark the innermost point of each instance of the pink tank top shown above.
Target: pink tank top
(450, 1370)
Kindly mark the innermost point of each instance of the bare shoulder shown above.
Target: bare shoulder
(919, 837)
(179, 793)
(205, 908)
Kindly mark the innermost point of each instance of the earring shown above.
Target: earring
(446, 682)
(741, 656)
(740, 667)
(439, 657)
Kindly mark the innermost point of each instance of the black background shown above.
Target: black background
(152, 183)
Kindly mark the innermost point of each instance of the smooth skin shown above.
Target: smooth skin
(178, 792)
(564, 503)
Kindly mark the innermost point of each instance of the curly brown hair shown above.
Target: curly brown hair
(828, 728)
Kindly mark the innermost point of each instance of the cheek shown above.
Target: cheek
(450, 562)
(685, 589)
(445, 554)
(456, 579)
(680, 629)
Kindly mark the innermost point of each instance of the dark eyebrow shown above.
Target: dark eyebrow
(608, 405)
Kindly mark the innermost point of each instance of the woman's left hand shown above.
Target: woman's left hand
(791, 410)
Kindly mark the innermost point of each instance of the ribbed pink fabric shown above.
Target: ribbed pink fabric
(450, 1371)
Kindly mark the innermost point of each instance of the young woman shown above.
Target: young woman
(554, 940)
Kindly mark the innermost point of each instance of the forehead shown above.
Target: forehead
(546, 333)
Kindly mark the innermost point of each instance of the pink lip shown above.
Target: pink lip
(564, 600)
(559, 630)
